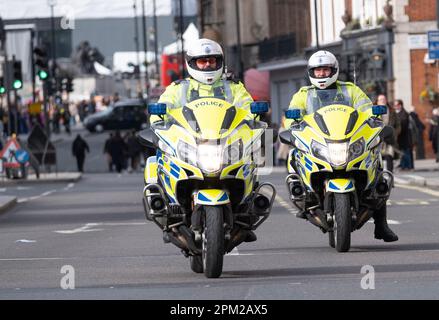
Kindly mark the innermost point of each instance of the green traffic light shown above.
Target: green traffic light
(17, 84)
(2, 90)
(42, 75)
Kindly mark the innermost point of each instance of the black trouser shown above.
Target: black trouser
(389, 162)
(80, 162)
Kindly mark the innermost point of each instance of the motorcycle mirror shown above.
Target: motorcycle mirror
(294, 114)
(158, 109)
(379, 110)
(259, 107)
(147, 138)
(286, 138)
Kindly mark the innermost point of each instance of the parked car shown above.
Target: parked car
(128, 114)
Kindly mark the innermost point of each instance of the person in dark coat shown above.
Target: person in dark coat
(433, 134)
(118, 150)
(107, 145)
(390, 119)
(404, 139)
(79, 148)
(134, 151)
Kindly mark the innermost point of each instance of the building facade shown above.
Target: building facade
(269, 35)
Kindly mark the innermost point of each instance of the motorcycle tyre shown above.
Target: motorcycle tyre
(343, 222)
(213, 241)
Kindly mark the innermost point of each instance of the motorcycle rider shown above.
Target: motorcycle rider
(323, 70)
(207, 78)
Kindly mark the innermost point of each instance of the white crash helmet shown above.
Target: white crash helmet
(323, 59)
(203, 48)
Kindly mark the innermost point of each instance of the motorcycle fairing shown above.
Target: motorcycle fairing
(211, 197)
(331, 125)
(200, 126)
(340, 185)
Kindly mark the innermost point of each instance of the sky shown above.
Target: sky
(90, 9)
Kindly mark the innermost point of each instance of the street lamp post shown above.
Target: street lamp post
(145, 49)
(52, 4)
(156, 42)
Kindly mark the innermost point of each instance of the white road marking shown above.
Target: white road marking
(69, 186)
(32, 259)
(21, 200)
(420, 189)
(24, 188)
(3, 189)
(286, 205)
(85, 228)
(389, 221)
(25, 241)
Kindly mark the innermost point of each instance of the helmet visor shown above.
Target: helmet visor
(206, 63)
(322, 72)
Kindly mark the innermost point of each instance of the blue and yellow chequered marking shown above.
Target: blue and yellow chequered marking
(150, 171)
(212, 197)
(340, 185)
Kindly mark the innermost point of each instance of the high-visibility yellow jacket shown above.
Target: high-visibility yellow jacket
(180, 92)
(307, 99)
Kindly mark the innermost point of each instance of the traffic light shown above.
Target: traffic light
(68, 84)
(42, 63)
(17, 78)
(2, 86)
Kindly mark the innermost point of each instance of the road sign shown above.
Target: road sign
(8, 153)
(433, 44)
(35, 108)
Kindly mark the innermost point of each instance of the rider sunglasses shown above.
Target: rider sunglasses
(203, 61)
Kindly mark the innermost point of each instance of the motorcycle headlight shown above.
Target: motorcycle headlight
(187, 153)
(319, 150)
(338, 153)
(210, 157)
(356, 149)
(233, 153)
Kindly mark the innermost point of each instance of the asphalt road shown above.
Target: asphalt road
(94, 233)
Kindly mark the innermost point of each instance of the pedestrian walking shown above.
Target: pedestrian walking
(433, 134)
(107, 148)
(134, 150)
(404, 139)
(118, 150)
(391, 119)
(79, 148)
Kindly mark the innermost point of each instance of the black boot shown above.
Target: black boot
(382, 230)
(251, 236)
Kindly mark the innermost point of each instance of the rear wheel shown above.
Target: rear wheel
(342, 222)
(213, 241)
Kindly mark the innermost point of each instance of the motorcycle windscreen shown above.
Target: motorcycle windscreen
(209, 118)
(336, 122)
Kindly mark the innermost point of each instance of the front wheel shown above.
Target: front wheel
(213, 241)
(342, 222)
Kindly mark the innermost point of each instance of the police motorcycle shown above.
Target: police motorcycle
(336, 178)
(201, 188)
